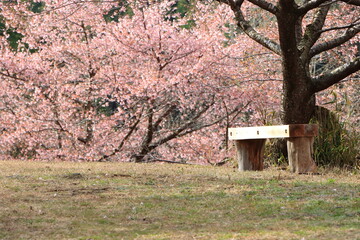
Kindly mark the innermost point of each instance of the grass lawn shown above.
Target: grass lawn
(163, 201)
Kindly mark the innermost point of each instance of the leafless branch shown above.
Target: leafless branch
(336, 75)
(265, 5)
(123, 141)
(321, 47)
(302, 10)
(246, 26)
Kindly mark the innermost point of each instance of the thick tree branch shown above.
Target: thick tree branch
(328, 79)
(350, 33)
(265, 5)
(253, 34)
(246, 26)
(150, 129)
(163, 116)
(123, 141)
(302, 10)
(312, 32)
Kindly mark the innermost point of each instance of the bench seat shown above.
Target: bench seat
(250, 144)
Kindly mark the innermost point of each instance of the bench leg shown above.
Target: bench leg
(300, 150)
(250, 154)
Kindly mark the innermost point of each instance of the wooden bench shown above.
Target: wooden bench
(250, 144)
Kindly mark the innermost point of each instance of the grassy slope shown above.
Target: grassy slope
(156, 201)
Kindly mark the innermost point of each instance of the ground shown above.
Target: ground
(64, 200)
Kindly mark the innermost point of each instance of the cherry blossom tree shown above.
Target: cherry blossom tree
(108, 80)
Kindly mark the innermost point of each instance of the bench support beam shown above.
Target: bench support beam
(300, 151)
(250, 154)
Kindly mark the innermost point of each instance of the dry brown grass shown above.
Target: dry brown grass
(67, 200)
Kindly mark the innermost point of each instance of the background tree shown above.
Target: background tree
(113, 80)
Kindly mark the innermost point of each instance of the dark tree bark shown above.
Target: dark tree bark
(298, 99)
(297, 48)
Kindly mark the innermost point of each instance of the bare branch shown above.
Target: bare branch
(173, 58)
(216, 121)
(253, 34)
(313, 30)
(352, 2)
(13, 77)
(123, 141)
(177, 132)
(350, 33)
(163, 116)
(302, 10)
(246, 26)
(354, 24)
(265, 5)
(328, 79)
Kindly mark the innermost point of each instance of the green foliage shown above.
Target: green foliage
(37, 7)
(189, 24)
(231, 33)
(181, 9)
(14, 38)
(117, 12)
(105, 107)
(337, 144)
(275, 153)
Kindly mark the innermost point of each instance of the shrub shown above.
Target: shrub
(275, 152)
(337, 144)
(20, 150)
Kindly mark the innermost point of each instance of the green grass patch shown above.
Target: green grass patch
(155, 201)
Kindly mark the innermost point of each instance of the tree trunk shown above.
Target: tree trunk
(298, 99)
(298, 102)
(298, 108)
(299, 94)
